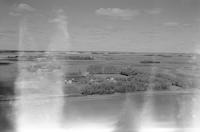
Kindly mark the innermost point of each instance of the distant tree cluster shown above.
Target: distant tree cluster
(178, 81)
(149, 62)
(102, 69)
(110, 87)
(136, 80)
(102, 88)
(79, 58)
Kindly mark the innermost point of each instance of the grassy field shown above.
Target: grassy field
(88, 73)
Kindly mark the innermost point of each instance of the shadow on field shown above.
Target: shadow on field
(6, 117)
(8, 75)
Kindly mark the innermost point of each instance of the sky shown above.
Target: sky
(100, 25)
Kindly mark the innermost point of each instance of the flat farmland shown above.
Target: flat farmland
(88, 73)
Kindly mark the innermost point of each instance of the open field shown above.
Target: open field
(88, 73)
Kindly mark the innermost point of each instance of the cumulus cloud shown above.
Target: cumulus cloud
(20, 8)
(177, 24)
(14, 13)
(117, 12)
(171, 24)
(60, 17)
(24, 7)
(154, 11)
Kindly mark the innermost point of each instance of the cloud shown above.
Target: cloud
(25, 7)
(20, 8)
(60, 17)
(177, 24)
(14, 13)
(118, 13)
(154, 11)
(171, 24)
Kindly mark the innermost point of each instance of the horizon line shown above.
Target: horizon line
(7, 50)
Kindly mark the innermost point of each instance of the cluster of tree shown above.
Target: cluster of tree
(130, 85)
(78, 73)
(102, 69)
(130, 72)
(164, 55)
(79, 58)
(149, 61)
(5, 63)
(96, 52)
(136, 81)
(178, 81)
(12, 58)
(102, 88)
